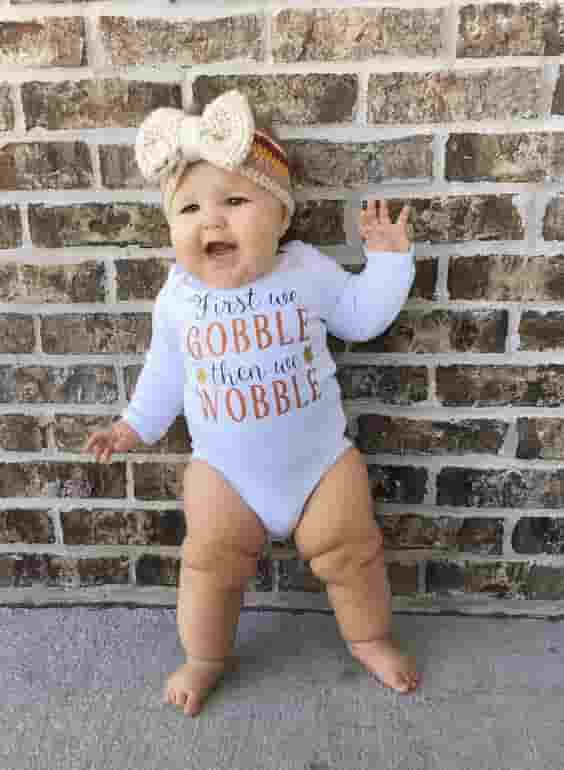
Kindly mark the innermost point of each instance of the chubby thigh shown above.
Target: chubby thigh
(340, 511)
(223, 533)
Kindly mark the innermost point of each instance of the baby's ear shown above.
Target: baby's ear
(285, 222)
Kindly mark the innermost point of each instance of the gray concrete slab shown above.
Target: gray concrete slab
(81, 689)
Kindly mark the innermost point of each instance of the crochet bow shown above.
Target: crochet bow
(222, 135)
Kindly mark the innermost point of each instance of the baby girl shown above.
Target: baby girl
(239, 344)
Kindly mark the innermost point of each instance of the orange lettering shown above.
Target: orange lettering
(278, 396)
(241, 402)
(204, 396)
(223, 335)
(314, 385)
(258, 393)
(196, 351)
(302, 311)
(281, 330)
(240, 331)
(297, 392)
(264, 330)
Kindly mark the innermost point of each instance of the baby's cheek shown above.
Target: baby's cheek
(265, 236)
(181, 242)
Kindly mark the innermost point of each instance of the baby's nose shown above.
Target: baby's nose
(212, 217)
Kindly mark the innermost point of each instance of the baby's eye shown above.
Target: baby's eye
(191, 207)
(237, 198)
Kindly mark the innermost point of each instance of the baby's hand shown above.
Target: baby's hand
(119, 438)
(378, 231)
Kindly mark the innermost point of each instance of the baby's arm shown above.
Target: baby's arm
(371, 300)
(158, 395)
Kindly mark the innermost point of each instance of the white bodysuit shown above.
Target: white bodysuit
(253, 372)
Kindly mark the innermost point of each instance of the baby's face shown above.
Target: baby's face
(224, 228)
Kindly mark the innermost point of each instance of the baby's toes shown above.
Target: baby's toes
(193, 703)
(188, 700)
(414, 680)
(397, 680)
(171, 696)
(175, 696)
(407, 681)
(401, 675)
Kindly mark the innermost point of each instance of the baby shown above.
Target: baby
(239, 343)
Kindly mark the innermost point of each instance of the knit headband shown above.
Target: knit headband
(169, 140)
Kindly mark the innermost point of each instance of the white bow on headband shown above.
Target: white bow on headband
(222, 135)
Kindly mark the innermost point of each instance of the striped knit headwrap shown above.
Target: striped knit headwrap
(266, 165)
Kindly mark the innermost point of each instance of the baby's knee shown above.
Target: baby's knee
(226, 565)
(349, 560)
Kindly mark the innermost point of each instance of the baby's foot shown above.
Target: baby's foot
(191, 684)
(383, 658)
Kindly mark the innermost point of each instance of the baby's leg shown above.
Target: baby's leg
(338, 535)
(219, 555)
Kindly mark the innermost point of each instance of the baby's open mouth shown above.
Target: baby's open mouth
(220, 248)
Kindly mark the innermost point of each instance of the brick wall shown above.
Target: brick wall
(458, 409)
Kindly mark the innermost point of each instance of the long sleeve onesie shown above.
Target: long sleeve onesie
(251, 368)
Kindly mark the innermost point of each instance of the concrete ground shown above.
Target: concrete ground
(81, 689)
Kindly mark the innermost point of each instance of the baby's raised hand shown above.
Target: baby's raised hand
(377, 230)
(119, 438)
